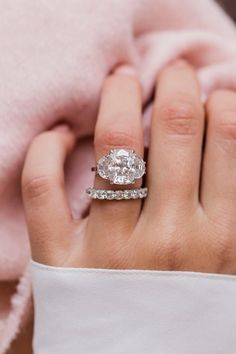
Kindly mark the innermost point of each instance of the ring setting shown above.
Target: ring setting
(121, 166)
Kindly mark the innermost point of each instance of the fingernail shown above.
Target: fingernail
(62, 127)
(126, 70)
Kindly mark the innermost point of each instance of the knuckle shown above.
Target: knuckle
(180, 118)
(37, 187)
(109, 139)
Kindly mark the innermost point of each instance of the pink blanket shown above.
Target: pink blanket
(54, 58)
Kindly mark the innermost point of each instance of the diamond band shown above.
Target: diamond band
(121, 166)
(102, 194)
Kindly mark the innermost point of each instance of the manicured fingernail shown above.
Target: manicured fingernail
(63, 127)
(126, 70)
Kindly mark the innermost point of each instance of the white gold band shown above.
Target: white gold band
(102, 194)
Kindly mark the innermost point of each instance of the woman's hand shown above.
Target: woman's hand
(188, 220)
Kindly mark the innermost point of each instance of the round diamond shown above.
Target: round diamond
(135, 194)
(121, 166)
(142, 194)
(102, 194)
(119, 195)
(94, 194)
(110, 195)
(126, 194)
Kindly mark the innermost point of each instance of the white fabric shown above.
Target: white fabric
(96, 311)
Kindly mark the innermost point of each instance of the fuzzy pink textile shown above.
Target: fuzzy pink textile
(54, 57)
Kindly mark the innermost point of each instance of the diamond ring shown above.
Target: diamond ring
(121, 166)
(137, 193)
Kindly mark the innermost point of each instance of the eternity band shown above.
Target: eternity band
(102, 194)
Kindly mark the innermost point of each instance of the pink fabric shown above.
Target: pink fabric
(54, 58)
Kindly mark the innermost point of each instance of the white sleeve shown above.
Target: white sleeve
(96, 311)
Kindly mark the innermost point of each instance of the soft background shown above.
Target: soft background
(54, 58)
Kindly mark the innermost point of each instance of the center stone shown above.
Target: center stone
(121, 166)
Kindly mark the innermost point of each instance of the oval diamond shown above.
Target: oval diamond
(121, 166)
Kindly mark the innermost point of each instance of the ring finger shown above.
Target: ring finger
(119, 125)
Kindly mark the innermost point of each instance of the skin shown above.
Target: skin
(187, 222)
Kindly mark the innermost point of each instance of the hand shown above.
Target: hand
(188, 220)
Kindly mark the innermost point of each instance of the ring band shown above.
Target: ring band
(102, 194)
(120, 166)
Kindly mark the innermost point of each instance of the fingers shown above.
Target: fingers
(219, 168)
(47, 212)
(176, 140)
(118, 126)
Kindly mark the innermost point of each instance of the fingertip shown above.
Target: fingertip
(126, 70)
(62, 128)
(181, 64)
(176, 66)
(67, 133)
(180, 78)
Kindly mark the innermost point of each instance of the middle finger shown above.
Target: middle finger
(176, 139)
